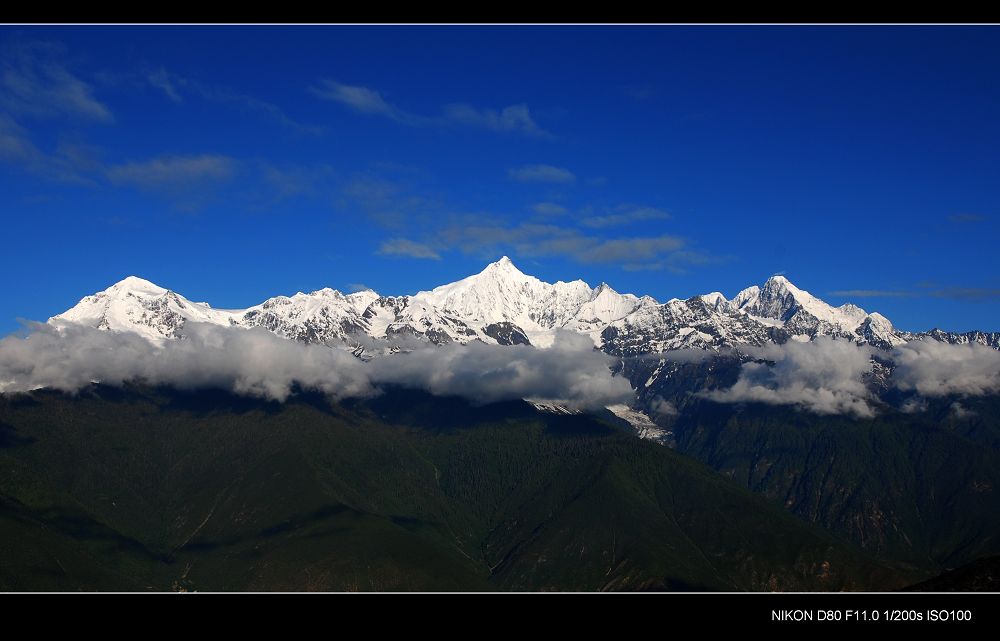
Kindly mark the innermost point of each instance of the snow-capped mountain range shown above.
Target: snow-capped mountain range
(503, 305)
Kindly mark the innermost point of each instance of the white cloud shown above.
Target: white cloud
(967, 218)
(548, 209)
(570, 371)
(624, 216)
(823, 376)
(173, 171)
(514, 118)
(872, 293)
(933, 368)
(258, 363)
(663, 407)
(959, 411)
(34, 81)
(66, 164)
(362, 100)
(542, 173)
(167, 83)
(914, 405)
(407, 247)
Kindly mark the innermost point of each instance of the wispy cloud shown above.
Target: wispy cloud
(288, 180)
(539, 240)
(676, 261)
(966, 218)
(389, 202)
(408, 248)
(15, 145)
(175, 87)
(542, 174)
(17, 149)
(514, 118)
(641, 91)
(428, 228)
(35, 81)
(971, 294)
(872, 293)
(625, 215)
(632, 249)
(966, 293)
(548, 209)
(188, 182)
(362, 100)
(167, 83)
(174, 171)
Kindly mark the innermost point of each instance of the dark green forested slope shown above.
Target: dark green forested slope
(914, 487)
(141, 489)
(917, 488)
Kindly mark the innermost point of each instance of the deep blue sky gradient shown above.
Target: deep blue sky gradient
(206, 160)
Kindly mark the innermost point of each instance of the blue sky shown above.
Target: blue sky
(232, 164)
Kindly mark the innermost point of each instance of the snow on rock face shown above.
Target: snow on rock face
(503, 305)
(781, 300)
(744, 297)
(501, 292)
(325, 316)
(604, 306)
(137, 305)
(678, 325)
(644, 426)
(878, 331)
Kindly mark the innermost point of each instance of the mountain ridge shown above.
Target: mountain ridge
(502, 300)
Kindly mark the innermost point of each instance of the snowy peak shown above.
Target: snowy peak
(501, 271)
(781, 300)
(878, 331)
(501, 276)
(776, 299)
(93, 309)
(136, 285)
(505, 264)
(746, 296)
(716, 301)
(138, 305)
(600, 289)
(604, 306)
(504, 305)
(362, 299)
(501, 292)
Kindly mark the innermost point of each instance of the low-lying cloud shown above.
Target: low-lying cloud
(932, 368)
(823, 376)
(258, 363)
(570, 371)
(826, 376)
